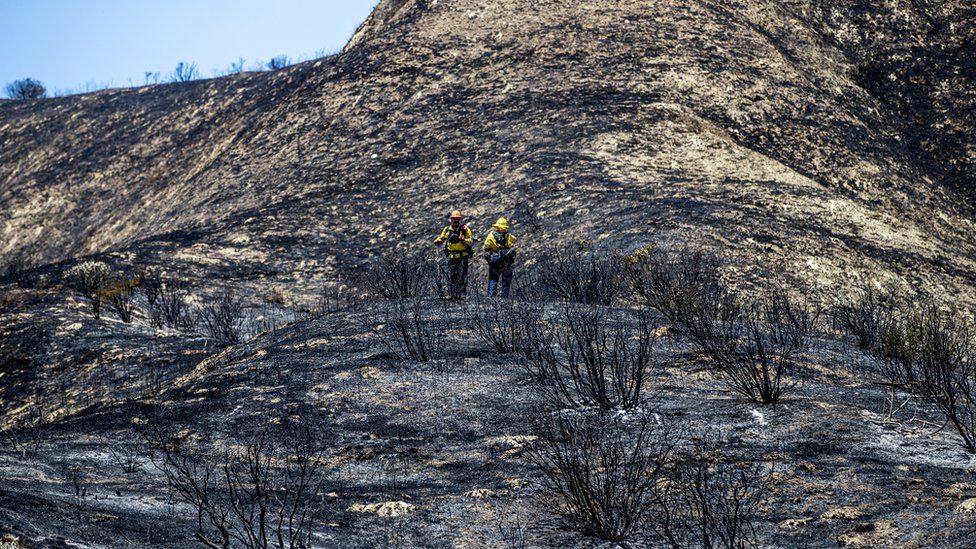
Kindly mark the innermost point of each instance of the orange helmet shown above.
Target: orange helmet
(456, 214)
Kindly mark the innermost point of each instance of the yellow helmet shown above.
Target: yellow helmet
(456, 214)
(501, 224)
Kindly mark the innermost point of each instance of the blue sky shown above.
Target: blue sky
(87, 44)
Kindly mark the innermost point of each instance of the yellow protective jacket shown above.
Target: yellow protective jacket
(497, 241)
(459, 249)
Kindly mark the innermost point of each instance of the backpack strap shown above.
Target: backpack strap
(460, 232)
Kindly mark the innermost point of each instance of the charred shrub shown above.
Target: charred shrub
(895, 345)
(599, 473)
(866, 315)
(932, 356)
(929, 354)
(27, 437)
(278, 62)
(151, 283)
(684, 285)
(399, 275)
(185, 72)
(583, 357)
(537, 355)
(408, 330)
(506, 325)
(581, 276)
(170, 308)
(118, 296)
(710, 500)
(223, 319)
(757, 349)
(127, 456)
(154, 376)
(628, 478)
(511, 526)
(25, 89)
(527, 284)
(88, 279)
(754, 342)
(264, 494)
(945, 360)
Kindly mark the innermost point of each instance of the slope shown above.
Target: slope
(742, 124)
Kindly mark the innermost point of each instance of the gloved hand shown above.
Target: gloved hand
(454, 238)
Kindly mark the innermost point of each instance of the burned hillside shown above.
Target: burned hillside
(741, 314)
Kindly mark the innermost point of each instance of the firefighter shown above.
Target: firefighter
(500, 255)
(457, 240)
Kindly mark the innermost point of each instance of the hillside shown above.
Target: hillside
(746, 125)
(819, 146)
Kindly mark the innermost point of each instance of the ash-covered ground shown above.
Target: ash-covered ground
(438, 447)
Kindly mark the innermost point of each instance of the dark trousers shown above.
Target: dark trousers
(457, 277)
(500, 274)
